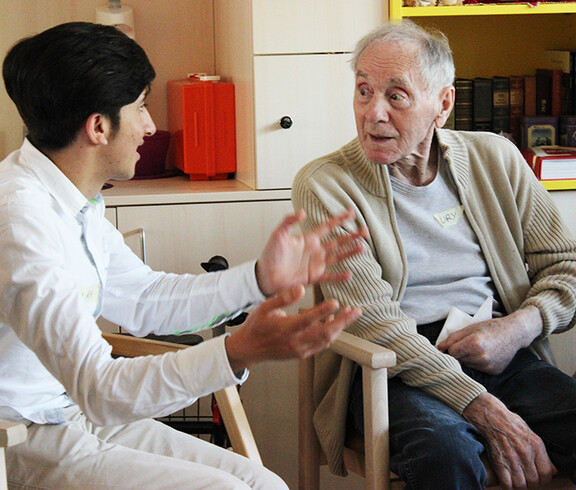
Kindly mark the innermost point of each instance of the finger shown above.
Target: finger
(321, 334)
(291, 220)
(284, 298)
(326, 227)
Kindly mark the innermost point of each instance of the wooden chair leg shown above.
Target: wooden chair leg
(308, 445)
(376, 448)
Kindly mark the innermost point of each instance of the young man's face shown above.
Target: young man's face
(122, 151)
(394, 113)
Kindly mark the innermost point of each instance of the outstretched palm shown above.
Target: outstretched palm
(290, 259)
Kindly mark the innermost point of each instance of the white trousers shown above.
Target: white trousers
(141, 455)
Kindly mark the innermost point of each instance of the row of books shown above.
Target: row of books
(505, 104)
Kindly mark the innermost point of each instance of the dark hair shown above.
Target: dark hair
(58, 78)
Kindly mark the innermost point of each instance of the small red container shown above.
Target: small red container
(201, 116)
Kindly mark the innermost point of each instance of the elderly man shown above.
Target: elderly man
(81, 90)
(456, 219)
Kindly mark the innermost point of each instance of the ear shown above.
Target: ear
(98, 129)
(446, 105)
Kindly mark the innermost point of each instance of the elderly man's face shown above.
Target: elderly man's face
(395, 115)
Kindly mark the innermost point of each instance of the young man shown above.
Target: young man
(81, 89)
(454, 218)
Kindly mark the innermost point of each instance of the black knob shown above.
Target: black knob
(286, 122)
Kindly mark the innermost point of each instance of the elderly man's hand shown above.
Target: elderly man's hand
(270, 333)
(517, 455)
(291, 259)
(490, 346)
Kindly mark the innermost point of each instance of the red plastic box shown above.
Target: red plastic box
(201, 117)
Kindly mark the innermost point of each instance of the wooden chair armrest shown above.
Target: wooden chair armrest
(240, 433)
(129, 346)
(363, 352)
(12, 433)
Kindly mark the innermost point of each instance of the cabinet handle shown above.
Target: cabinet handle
(142, 233)
(286, 122)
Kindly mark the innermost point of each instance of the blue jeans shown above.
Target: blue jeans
(433, 447)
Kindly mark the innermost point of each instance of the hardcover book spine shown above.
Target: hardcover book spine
(501, 105)
(516, 108)
(482, 104)
(530, 95)
(463, 105)
(543, 92)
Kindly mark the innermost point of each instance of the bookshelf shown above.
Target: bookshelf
(497, 39)
(398, 11)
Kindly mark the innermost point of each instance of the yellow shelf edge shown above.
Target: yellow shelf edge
(399, 11)
(559, 185)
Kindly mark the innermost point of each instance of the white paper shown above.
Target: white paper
(457, 319)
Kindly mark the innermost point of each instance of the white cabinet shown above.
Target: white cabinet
(289, 58)
(178, 237)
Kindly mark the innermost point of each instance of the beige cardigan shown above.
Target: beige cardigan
(530, 255)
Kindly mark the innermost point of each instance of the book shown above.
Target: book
(567, 131)
(501, 105)
(482, 104)
(463, 104)
(539, 131)
(543, 92)
(564, 60)
(516, 108)
(530, 95)
(557, 98)
(555, 165)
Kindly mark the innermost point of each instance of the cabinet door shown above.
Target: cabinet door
(179, 237)
(315, 92)
(312, 26)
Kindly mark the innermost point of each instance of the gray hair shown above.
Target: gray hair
(436, 62)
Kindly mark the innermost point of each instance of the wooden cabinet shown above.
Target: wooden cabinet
(289, 59)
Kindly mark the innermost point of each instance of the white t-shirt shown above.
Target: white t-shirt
(446, 266)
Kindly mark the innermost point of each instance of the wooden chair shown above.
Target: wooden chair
(228, 399)
(11, 433)
(364, 454)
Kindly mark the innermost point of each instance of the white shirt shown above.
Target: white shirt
(62, 264)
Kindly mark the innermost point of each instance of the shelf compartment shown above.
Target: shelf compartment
(398, 11)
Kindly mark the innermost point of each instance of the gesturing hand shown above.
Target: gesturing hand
(270, 333)
(290, 259)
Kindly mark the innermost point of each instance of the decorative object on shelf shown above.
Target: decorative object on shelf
(539, 131)
(117, 15)
(201, 116)
(152, 163)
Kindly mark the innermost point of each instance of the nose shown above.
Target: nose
(377, 110)
(149, 126)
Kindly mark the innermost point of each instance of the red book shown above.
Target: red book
(530, 95)
(552, 162)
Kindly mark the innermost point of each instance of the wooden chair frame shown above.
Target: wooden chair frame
(228, 399)
(368, 454)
